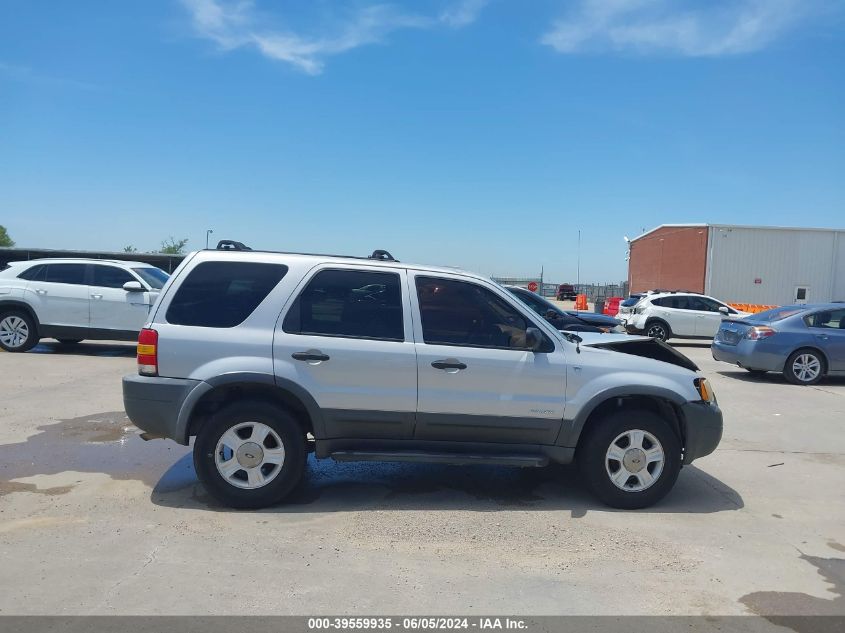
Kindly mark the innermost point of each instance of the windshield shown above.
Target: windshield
(777, 314)
(155, 277)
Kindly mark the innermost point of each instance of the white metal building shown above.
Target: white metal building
(742, 264)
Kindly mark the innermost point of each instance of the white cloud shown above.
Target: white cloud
(462, 13)
(236, 24)
(692, 29)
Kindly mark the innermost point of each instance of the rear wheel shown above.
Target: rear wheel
(658, 330)
(804, 367)
(250, 454)
(18, 332)
(630, 459)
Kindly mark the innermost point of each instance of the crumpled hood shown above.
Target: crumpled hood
(639, 346)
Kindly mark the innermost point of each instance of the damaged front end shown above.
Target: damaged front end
(648, 348)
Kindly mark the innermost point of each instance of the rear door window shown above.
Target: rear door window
(65, 274)
(36, 273)
(223, 294)
(349, 303)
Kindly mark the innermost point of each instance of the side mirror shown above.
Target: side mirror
(133, 286)
(724, 310)
(533, 339)
(550, 314)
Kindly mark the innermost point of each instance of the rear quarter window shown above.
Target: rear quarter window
(223, 294)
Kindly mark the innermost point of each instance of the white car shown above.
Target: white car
(75, 299)
(665, 315)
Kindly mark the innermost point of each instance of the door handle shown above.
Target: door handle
(310, 355)
(96, 296)
(449, 363)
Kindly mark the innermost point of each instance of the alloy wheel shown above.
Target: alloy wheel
(14, 332)
(806, 367)
(634, 460)
(249, 455)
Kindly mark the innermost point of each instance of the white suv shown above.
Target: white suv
(676, 314)
(75, 299)
(264, 357)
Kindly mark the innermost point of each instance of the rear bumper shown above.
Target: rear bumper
(702, 429)
(154, 404)
(748, 354)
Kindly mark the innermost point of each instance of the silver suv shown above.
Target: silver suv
(265, 356)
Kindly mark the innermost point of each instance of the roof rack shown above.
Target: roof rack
(232, 245)
(383, 256)
(377, 255)
(664, 291)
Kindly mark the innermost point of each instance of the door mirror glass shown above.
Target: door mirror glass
(533, 339)
(133, 286)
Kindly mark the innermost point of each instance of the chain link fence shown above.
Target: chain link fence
(594, 292)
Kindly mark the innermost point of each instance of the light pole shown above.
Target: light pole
(578, 280)
(207, 233)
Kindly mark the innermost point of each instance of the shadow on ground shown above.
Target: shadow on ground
(330, 486)
(93, 348)
(108, 443)
(777, 378)
(693, 344)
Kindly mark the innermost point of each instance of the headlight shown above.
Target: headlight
(705, 390)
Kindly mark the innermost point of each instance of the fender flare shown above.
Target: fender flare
(23, 306)
(570, 431)
(246, 377)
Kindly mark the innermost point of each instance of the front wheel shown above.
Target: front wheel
(804, 367)
(250, 454)
(18, 332)
(630, 459)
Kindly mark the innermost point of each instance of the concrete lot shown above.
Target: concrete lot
(93, 520)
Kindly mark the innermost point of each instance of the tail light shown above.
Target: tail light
(148, 352)
(758, 332)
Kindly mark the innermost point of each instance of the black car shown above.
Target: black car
(563, 319)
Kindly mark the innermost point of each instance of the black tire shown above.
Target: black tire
(658, 329)
(595, 468)
(69, 341)
(795, 378)
(757, 373)
(282, 423)
(29, 325)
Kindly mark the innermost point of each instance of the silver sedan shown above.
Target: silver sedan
(804, 342)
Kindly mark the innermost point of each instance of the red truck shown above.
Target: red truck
(566, 292)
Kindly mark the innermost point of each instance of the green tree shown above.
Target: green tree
(171, 246)
(130, 249)
(5, 240)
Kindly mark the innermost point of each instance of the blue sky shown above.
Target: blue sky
(459, 132)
